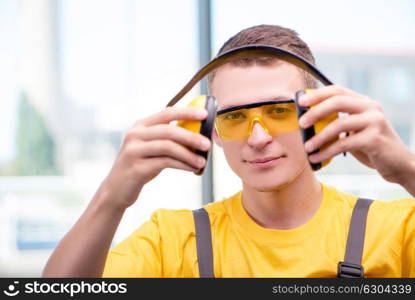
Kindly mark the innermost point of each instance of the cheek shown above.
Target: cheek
(232, 150)
(293, 144)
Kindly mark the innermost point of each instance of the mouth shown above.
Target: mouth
(264, 162)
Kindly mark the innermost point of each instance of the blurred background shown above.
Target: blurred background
(75, 75)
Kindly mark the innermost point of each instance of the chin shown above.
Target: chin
(268, 187)
(272, 180)
(275, 181)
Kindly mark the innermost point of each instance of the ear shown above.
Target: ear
(216, 138)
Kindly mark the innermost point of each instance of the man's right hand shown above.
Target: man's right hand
(152, 145)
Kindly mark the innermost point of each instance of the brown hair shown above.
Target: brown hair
(271, 35)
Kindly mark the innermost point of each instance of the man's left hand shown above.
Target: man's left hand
(371, 138)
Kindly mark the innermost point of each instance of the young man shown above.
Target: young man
(283, 223)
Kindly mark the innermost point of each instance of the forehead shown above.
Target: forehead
(239, 85)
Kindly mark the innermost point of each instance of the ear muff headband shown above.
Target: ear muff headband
(240, 53)
(250, 51)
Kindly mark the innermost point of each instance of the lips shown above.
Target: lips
(264, 162)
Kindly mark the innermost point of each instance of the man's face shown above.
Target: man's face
(263, 162)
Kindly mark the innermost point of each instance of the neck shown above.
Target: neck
(286, 207)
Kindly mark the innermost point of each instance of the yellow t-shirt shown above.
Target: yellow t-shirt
(165, 245)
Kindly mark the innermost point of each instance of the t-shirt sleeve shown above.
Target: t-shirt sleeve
(138, 255)
(408, 263)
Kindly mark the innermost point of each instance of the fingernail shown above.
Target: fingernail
(201, 113)
(303, 100)
(313, 159)
(204, 145)
(200, 162)
(303, 122)
(308, 146)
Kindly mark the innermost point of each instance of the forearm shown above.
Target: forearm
(408, 180)
(83, 250)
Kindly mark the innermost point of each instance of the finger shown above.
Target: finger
(350, 143)
(168, 162)
(335, 104)
(319, 95)
(174, 114)
(171, 149)
(351, 123)
(177, 134)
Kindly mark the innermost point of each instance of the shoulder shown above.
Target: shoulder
(382, 214)
(349, 200)
(182, 221)
(397, 211)
(397, 204)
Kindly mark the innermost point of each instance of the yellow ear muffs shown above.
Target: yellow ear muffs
(205, 126)
(309, 132)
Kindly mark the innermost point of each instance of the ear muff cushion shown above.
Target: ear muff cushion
(205, 126)
(319, 126)
(308, 133)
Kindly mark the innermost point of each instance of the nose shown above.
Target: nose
(259, 137)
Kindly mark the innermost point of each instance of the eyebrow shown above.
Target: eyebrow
(252, 105)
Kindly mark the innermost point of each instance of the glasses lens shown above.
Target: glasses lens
(280, 118)
(277, 118)
(233, 125)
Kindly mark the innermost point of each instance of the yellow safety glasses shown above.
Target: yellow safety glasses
(276, 117)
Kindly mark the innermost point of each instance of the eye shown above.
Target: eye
(234, 116)
(279, 110)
